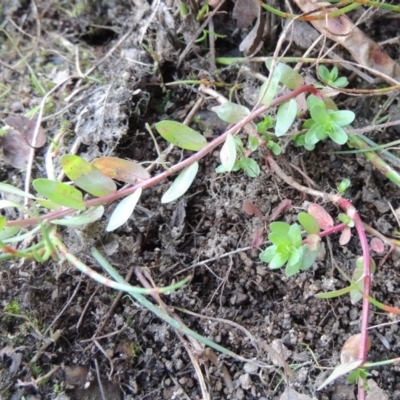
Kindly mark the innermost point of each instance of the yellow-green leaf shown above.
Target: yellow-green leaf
(86, 176)
(59, 193)
(181, 135)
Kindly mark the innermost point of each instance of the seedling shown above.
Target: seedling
(343, 186)
(288, 248)
(331, 78)
(324, 123)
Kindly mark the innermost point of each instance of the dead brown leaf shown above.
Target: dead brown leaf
(18, 141)
(343, 31)
(245, 12)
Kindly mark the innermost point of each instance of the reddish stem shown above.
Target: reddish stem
(160, 177)
(351, 212)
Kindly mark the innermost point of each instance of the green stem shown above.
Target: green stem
(378, 163)
(161, 313)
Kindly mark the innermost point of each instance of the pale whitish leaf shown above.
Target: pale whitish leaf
(9, 203)
(269, 88)
(123, 210)
(231, 112)
(87, 217)
(8, 232)
(341, 370)
(23, 236)
(284, 119)
(181, 184)
(289, 77)
(228, 153)
(5, 187)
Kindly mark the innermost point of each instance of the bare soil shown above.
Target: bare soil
(108, 347)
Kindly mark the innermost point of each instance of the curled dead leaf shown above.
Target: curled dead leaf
(342, 30)
(351, 349)
(20, 139)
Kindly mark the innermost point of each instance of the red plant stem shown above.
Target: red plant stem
(351, 212)
(333, 229)
(160, 177)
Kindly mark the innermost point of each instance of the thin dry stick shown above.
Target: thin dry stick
(110, 312)
(35, 382)
(103, 396)
(86, 307)
(64, 308)
(99, 346)
(195, 344)
(253, 340)
(211, 39)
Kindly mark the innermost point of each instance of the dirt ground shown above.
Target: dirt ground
(93, 343)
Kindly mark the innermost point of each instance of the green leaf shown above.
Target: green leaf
(334, 73)
(228, 153)
(324, 73)
(278, 239)
(8, 232)
(91, 215)
(231, 112)
(61, 193)
(338, 135)
(334, 293)
(280, 227)
(319, 114)
(5, 187)
(181, 184)
(121, 170)
(313, 135)
(123, 210)
(341, 82)
(268, 254)
(344, 185)
(264, 125)
(313, 101)
(289, 77)
(181, 135)
(221, 169)
(285, 116)
(274, 147)
(86, 176)
(343, 117)
(358, 279)
(278, 260)
(293, 265)
(251, 168)
(295, 235)
(340, 370)
(309, 256)
(294, 257)
(269, 88)
(309, 223)
(253, 143)
(3, 221)
(46, 203)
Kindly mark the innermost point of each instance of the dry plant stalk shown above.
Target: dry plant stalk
(342, 30)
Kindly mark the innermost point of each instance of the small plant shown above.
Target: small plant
(331, 77)
(288, 248)
(343, 186)
(13, 307)
(324, 123)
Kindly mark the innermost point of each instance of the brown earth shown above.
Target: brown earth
(98, 344)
